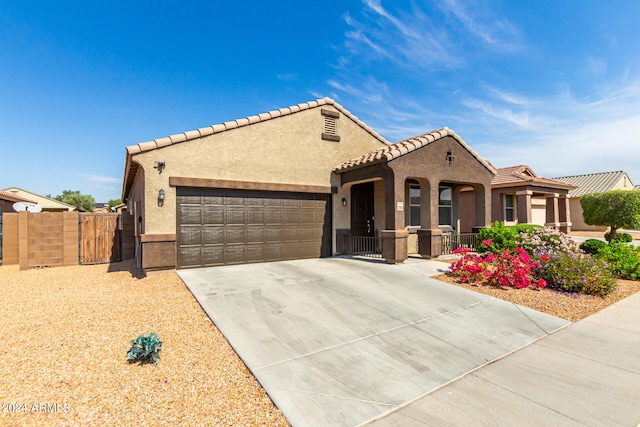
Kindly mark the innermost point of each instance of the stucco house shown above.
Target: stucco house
(520, 196)
(593, 183)
(7, 200)
(292, 183)
(46, 203)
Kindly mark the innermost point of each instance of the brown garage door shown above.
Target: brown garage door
(219, 227)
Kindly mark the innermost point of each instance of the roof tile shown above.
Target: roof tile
(206, 131)
(192, 134)
(145, 146)
(230, 125)
(219, 128)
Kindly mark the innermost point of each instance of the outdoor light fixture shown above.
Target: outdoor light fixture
(344, 202)
(161, 197)
(450, 157)
(159, 166)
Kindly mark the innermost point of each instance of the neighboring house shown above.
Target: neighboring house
(593, 183)
(46, 203)
(519, 196)
(295, 183)
(7, 200)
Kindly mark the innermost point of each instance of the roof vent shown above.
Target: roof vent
(330, 131)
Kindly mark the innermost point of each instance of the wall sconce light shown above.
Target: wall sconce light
(450, 157)
(161, 197)
(159, 166)
(344, 202)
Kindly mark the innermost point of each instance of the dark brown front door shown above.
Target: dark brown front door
(362, 210)
(219, 227)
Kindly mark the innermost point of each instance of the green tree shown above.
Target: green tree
(615, 209)
(113, 203)
(84, 202)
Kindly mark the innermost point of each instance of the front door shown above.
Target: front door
(362, 210)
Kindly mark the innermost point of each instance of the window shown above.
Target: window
(444, 206)
(414, 204)
(509, 208)
(330, 130)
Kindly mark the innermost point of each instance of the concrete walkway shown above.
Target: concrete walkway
(347, 342)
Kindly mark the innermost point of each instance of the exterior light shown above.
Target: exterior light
(450, 157)
(344, 202)
(159, 166)
(161, 197)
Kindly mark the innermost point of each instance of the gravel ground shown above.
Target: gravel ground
(65, 333)
(569, 306)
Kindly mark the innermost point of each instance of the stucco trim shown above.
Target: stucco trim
(165, 237)
(176, 181)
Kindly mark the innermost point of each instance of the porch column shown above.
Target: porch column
(394, 237)
(564, 214)
(524, 206)
(552, 212)
(483, 206)
(429, 234)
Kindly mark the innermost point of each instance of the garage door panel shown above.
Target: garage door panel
(190, 235)
(218, 226)
(190, 215)
(235, 216)
(212, 215)
(213, 255)
(235, 254)
(213, 235)
(256, 234)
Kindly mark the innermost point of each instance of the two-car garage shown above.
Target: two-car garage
(228, 226)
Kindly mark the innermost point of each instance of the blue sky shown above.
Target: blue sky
(551, 84)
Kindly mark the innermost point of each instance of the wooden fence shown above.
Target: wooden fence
(50, 239)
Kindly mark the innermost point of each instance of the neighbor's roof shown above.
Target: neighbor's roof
(12, 197)
(131, 169)
(42, 201)
(523, 174)
(593, 182)
(637, 187)
(407, 146)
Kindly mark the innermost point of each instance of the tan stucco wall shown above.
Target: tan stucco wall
(286, 150)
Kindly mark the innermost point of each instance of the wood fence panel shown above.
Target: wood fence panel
(99, 238)
(9, 238)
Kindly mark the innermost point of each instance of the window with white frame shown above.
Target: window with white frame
(445, 206)
(509, 207)
(414, 204)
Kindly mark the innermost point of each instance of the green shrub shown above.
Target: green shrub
(592, 246)
(624, 259)
(497, 238)
(520, 228)
(620, 237)
(144, 349)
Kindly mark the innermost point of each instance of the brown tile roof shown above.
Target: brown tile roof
(131, 168)
(401, 148)
(246, 121)
(593, 182)
(522, 174)
(6, 195)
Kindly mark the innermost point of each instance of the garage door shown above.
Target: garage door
(219, 227)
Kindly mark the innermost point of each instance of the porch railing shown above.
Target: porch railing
(453, 241)
(363, 245)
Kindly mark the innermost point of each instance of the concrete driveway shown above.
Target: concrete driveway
(340, 341)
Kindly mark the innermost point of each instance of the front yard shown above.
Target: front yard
(65, 333)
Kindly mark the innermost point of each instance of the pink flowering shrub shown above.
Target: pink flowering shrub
(506, 269)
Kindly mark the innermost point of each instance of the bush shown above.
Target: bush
(592, 246)
(576, 273)
(144, 349)
(563, 264)
(620, 237)
(624, 259)
(497, 238)
(546, 240)
(506, 269)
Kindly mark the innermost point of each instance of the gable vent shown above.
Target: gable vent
(330, 131)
